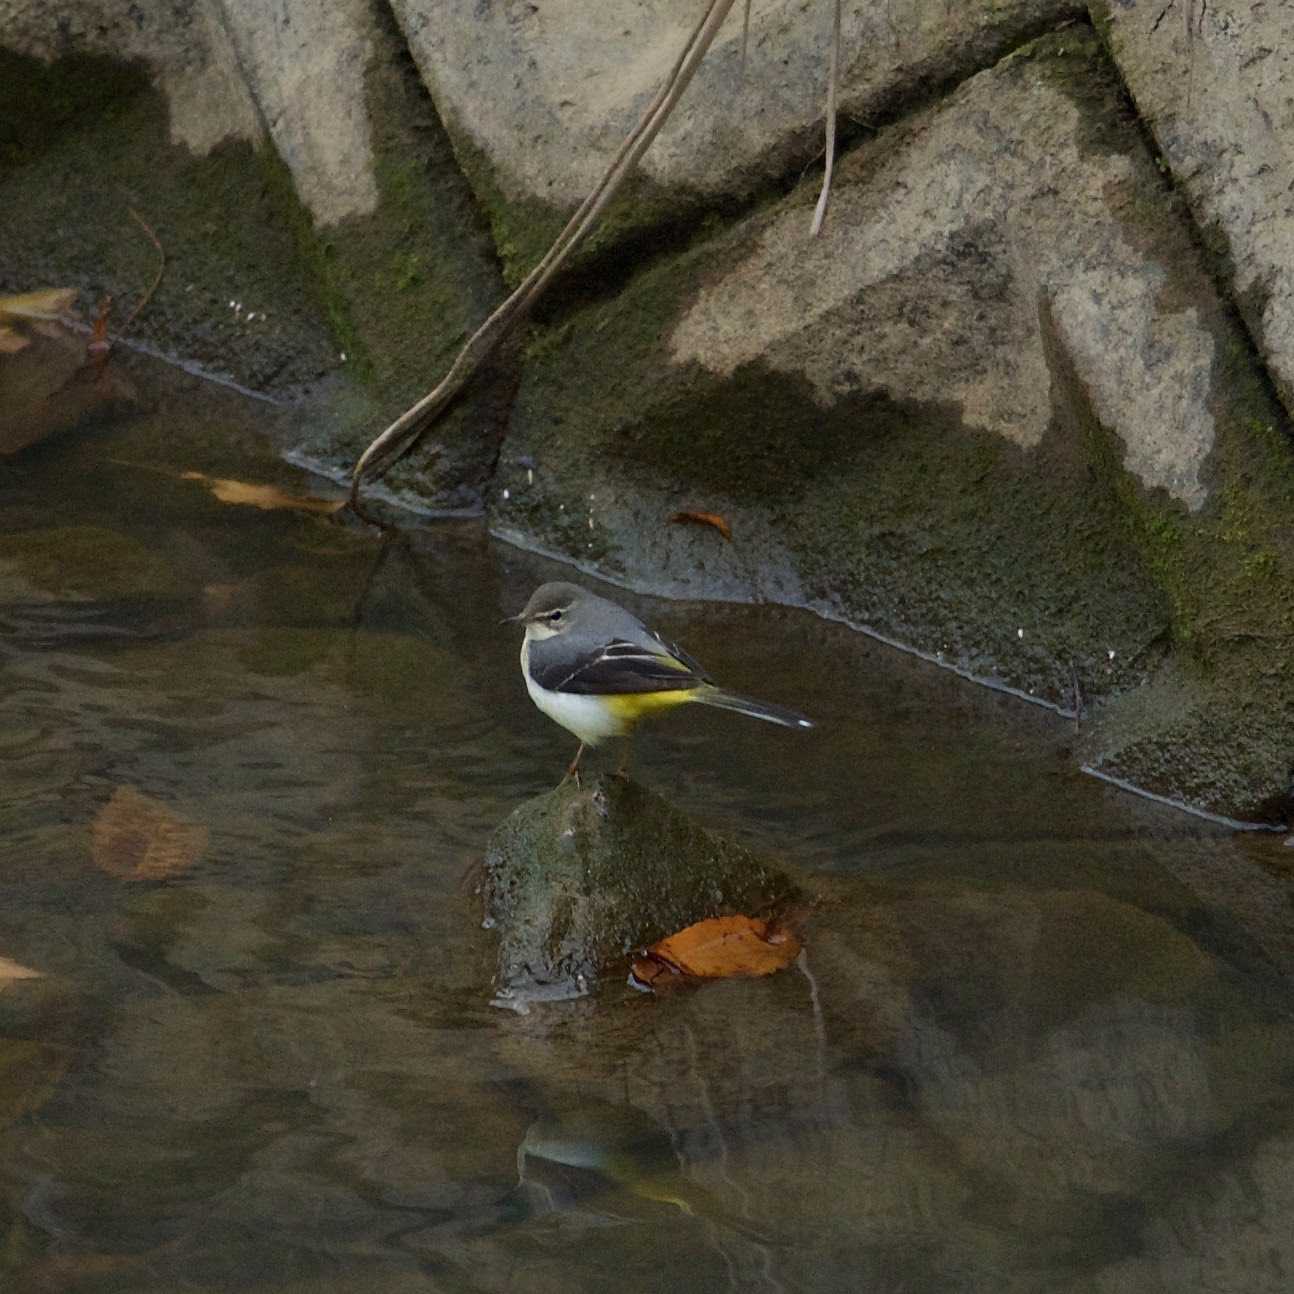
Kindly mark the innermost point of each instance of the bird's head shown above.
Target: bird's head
(553, 609)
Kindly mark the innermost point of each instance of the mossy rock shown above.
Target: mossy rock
(578, 878)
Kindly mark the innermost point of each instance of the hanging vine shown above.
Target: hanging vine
(388, 447)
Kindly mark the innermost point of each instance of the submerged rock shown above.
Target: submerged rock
(81, 563)
(582, 875)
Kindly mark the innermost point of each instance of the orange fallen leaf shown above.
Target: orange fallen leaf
(717, 948)
(138, 838)
(10, 971)
(705, 519)
(266, 497)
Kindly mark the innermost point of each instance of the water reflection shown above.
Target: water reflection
(1040, 1037)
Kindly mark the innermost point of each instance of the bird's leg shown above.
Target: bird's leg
(574, 770)
(626, 748)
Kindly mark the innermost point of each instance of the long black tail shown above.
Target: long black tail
(756, 709)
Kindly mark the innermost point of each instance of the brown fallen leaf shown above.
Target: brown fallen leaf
(705, 519)
(717, 948)
(47, 303)
(266, 497)
(138, 838)
(10, 971)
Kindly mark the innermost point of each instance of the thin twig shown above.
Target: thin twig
(745, 37)
(157, 278)
(833, 77)
(387, 447)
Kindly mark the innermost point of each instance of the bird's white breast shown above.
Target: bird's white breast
(585, 716)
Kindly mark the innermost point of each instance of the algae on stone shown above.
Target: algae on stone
(104, 149)
(404, 286)
(578, 878)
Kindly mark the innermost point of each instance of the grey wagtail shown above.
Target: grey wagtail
(595, 669)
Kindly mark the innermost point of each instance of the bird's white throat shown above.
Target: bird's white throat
(586, 716)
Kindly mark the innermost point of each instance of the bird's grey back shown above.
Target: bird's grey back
(601, 621)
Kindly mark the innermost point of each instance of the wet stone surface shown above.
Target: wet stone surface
(581, 876)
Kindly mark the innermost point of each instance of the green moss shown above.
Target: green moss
(404, 287)
(318, 255)
(41, 102)
(1217, 730)
(644, 219)
(523, 229)
(67, 221)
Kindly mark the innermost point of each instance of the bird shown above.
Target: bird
(596, 669)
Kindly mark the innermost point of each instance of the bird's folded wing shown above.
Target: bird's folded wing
(617, 667)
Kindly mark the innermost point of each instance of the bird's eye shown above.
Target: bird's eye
(554, 616)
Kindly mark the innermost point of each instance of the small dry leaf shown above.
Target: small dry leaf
(10, 971)
(266, 497)
(705, 519)
(48, 303)
(717, 948)
(138, 838)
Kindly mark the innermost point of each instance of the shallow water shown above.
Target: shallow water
(1040, 1038)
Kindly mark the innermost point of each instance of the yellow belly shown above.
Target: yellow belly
(629, 707)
